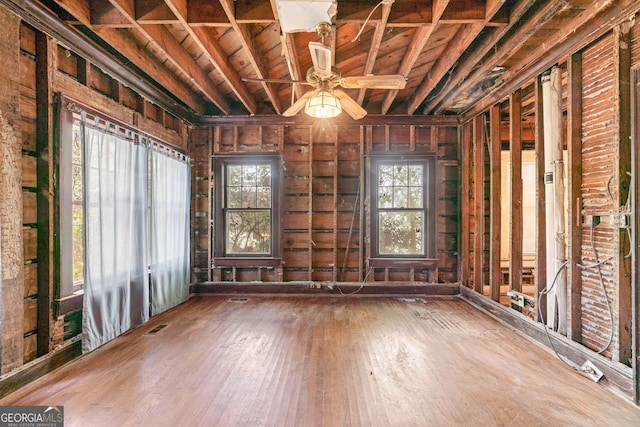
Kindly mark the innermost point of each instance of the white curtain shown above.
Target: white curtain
(116, 288)
(169, 232)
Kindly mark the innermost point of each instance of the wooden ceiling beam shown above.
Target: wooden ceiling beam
(143, 59)
(376, 41)
(418, 41)
(456, 47)
(288, 50)
(179, 57)
(104, 14)
(249, 46)
(583, 29)
(464, 37)
(469, 71)
(412, 13)
(154, 12)
(214, 53)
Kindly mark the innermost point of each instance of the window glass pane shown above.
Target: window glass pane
(77, 244)
(385, 175)
(234, 176)
(234, 197)
(400, 197)
(249, 197)
(401, 233)
(248, 232)
(77, 183)
(264, 176)
(385, 197)
(249, 175)
(415, 197)
(401, 175)
(76, 147)
(416, 175)
(264, 197)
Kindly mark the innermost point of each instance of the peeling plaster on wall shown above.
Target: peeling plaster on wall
(11, 248)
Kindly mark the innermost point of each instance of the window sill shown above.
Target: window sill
(421, 263)
(70, 303)
(247, 262)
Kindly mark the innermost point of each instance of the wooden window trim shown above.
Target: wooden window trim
(428, 260)
(220, 259)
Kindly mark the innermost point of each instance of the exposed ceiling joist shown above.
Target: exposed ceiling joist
(207, 55)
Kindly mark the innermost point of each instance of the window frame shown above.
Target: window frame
(67, 295)
(428, 259)
(219, 211)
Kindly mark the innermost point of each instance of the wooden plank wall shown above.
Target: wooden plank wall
(34, 68)
(599, 168)
(323, 219)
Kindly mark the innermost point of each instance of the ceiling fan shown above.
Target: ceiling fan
(326, 100)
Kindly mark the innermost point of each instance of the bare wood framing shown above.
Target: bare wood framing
(582, 30)
(310, 208)
(478, 201)
(461, 81)
(334, 225)
(44, 62)
(376, 41)
(465, 200)
(516, 225)
(495, 146)
(622, 43)
(574, 154)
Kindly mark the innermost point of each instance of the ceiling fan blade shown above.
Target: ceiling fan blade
(298, 105)
(350, 106)
(389, 81)
(287, 81)
(321, 57)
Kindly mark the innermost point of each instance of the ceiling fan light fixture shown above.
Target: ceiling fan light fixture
(323, 105)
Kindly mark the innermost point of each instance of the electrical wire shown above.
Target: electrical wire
(369, 17)
(604, 290)
(361, 284)
(546, 291)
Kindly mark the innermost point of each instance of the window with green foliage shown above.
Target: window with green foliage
(77, 209)
(70, 193)
(402, 207)
(246, 214)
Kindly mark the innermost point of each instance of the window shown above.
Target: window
(403, 206)
(246, 216)
(70, 193)
(77, 189)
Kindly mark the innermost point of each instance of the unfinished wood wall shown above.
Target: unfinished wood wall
(29, 189)
(596, 102)
(11, 221)
(34, 321)
(599, 182)
(324, 178)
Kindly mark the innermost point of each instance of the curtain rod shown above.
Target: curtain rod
(130, 131)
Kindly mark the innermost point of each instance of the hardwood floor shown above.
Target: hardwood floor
(324, 361)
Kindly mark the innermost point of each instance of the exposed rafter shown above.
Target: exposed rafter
(249, 45)
(376, 41)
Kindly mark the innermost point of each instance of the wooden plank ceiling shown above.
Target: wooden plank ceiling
(200, 52)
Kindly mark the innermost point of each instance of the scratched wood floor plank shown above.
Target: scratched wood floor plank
(324, 361)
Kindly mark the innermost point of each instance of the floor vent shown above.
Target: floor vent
(156, 330)
(238, 299)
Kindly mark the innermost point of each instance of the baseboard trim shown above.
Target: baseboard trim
(327, 288)
(618, 378)
(39, 367)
